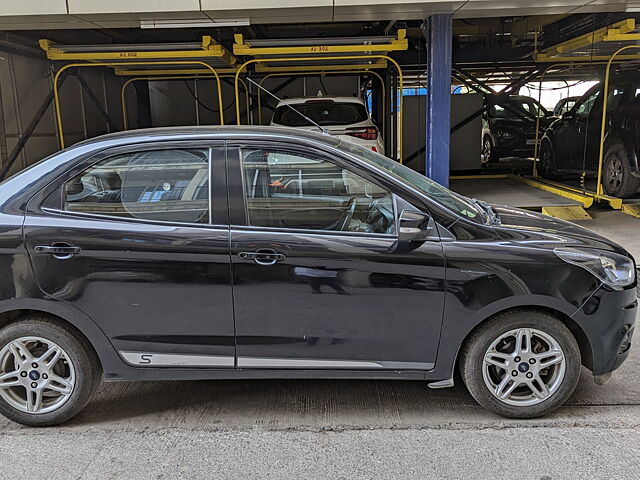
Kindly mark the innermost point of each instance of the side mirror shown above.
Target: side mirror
(415, 226)
(568, 115)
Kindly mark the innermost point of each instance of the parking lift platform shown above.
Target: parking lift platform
(514, 191)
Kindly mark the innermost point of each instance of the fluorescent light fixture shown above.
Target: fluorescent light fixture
(195, 23)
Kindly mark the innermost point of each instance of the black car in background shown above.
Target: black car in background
(257, 252)
(564, 105)
(570, 146)
(509, 127)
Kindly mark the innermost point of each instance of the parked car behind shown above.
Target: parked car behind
(344, 117)
(511, 132)
(571, 144)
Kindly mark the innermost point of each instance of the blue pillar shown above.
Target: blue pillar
(437, 30)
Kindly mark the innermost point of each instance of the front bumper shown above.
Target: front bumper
(608, 319)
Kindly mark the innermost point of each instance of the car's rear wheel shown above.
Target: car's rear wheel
(617, 179)
(488, 152)
(547, 166)
(47, 373)
(521, 364)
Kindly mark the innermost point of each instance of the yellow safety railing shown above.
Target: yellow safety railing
(325, 59)
(603, 127)
(123, 100)
(56, 95)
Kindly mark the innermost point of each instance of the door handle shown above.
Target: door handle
(263, 257)
(60, 250)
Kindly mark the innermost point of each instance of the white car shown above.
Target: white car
(344, 117)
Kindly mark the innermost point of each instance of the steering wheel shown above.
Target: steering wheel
(345, 220)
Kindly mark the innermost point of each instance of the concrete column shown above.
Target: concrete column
(437, 30)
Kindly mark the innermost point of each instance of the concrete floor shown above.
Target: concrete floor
(337, 429)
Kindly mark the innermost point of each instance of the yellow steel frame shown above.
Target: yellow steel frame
(209, 49)
(306, 68)
(125, 72)
(398, 43)
(323, 72)
(242, 67)
(56, 95)
(125, 120)
(618, 32)
(605, 95)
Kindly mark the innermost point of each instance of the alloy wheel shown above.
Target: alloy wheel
(36, 375)
(486, 152)
(524, 367)
(614, 174)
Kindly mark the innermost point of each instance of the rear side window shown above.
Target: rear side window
(322, 112)
(166, 185)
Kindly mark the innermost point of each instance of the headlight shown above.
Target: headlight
(613, 269)
(503, 134)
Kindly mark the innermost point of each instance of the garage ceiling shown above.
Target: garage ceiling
(65, 14)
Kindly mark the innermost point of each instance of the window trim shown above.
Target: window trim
(57, 185)
(238, 146)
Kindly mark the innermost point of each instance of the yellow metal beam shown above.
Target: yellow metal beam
(632, 209)
(126, 72)
(602, 34)
(398, 43)
(209, 49)
(260, 67)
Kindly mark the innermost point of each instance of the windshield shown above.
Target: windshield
(322, 112)
(453, 201)
(527, 104)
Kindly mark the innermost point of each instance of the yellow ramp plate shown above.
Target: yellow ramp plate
(631, 209)
(569, 212)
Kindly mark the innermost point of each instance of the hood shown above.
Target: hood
(534, 228)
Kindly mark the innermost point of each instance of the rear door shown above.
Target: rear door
(137, 239)
(320, 280)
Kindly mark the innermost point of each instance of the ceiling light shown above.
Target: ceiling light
(195, 23)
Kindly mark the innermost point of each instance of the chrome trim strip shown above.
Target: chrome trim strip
(150, 359)
(259, 362)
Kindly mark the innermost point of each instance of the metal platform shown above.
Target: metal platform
(513, 192)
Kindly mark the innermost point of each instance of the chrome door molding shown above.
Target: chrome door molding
(284, 363)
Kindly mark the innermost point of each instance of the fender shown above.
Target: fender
(109, 359)
(455, 333)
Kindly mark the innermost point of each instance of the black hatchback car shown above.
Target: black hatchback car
(571, 144)
(248, 252)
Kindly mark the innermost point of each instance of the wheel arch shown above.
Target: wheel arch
(69, 318)
(586, 352)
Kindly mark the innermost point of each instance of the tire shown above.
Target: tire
(73, 368)
(548, 168)
(560, 378)
(617, 179)
(488, 152)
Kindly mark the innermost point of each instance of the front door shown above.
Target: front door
(138, 240)
(319, 279)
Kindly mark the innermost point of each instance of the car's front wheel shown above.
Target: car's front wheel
(489, 154)
(47, 372)
(521, 364)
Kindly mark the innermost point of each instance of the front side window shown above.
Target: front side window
(584, 108)
(166, 185)
(284, 189)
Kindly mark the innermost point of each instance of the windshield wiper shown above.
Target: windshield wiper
(490, 212)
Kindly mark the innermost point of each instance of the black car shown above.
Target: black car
(509, 127)
(248, 252)
(571, 145)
